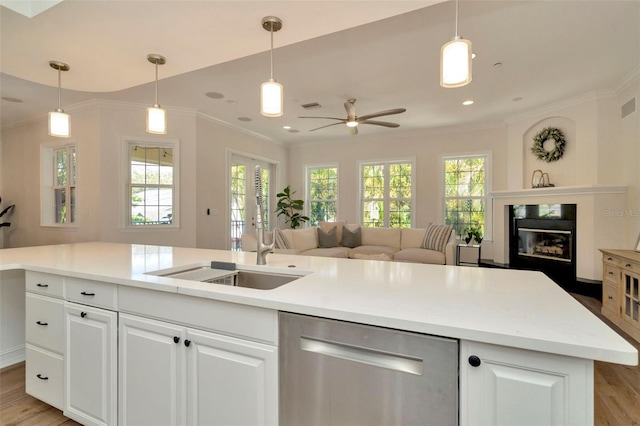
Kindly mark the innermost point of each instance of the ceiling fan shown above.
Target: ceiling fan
(352, 121)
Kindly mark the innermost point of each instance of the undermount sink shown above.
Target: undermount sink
(237, 277)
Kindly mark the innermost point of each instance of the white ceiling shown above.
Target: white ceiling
(384, 53)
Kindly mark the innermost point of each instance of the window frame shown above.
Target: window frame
(307, 190)
(48, 183)
(125, 221)
(488, 204)
(386, 200)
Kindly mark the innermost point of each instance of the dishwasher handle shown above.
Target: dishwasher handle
(363, 355)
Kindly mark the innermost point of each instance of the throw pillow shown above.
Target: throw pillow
(328, 239)
(326, 227)
(436, 237)
(351, 238)
(282, 242)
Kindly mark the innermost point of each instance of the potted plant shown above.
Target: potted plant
(290, 208)
(474, 233)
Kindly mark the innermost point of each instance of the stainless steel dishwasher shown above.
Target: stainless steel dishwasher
(340, 373)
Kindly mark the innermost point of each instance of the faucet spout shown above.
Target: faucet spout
(262, 249)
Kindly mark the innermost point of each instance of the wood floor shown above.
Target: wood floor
(617, 392)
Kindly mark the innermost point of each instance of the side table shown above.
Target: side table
(468, 246)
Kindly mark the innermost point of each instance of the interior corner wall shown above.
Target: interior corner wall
(213, 143)
(20, 170)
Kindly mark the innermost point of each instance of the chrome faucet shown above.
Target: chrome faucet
(262, 248)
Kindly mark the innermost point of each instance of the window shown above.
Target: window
(387, 194)
(59, 185)
(465, 189)
(152, 176)
(322, 194)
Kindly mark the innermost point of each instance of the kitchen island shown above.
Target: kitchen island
(529, 335)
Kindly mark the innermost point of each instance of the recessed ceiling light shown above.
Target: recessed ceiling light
(518, 99)
(286, 127)
(10, 99)
(473, 56)
(467, 102)
(231, 101)
(497, 65)
(214, 95)
(294, 131)
(245, 119)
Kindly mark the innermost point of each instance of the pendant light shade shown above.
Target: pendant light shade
(59, 121)
(271, 92)
(455, 61)
(156, 116)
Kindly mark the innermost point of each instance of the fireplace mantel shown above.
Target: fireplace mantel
(561, 190)
(600, 220)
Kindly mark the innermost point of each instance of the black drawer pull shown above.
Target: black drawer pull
(187, 343)
(176, 339)
(609, 258)
(474, 360)
(83, 314)
(84, 293)
(42, 285)
(42, 323)
(610, 273)
(41, 377)
(610, 297)
(628, 265)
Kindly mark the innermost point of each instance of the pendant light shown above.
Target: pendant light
(59, 121)
(156, 116)
(271, 92)
(455, 61)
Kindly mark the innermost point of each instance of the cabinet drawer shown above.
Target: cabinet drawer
(614, 260)
(45, 322)
(631, 266)
(51, 285)
(610, 297)
(92, 293)
(610, 273)
(44, 377)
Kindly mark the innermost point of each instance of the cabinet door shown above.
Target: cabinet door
(631, 301)
(517, 387)
(90, 365)
(230, 381)
(151, 372)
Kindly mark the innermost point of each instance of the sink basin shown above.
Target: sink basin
(237, 278)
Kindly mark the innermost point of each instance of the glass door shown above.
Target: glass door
(631, 310)
(243, 196)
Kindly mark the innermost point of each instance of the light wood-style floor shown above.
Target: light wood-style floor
(617, 392)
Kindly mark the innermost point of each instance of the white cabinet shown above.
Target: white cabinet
(506, 386)
(175, 375)
(90, 364)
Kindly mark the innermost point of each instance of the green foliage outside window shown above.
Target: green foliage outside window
(323, 194)
(387, 195)
(464, 189)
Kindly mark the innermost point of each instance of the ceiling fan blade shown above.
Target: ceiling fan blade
(322, 127)
(381, 113)
(353, 130)
(351, 109)
(380, 123)
(329, 118)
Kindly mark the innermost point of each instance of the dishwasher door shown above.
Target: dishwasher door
(341, 373)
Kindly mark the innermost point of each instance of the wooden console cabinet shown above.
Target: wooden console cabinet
(621, 289)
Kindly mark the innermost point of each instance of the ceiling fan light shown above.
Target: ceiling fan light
(352, 123)
(271, 98)
(59, 124)
(156, 120)
(455, 63)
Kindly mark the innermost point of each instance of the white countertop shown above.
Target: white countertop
(520, 309)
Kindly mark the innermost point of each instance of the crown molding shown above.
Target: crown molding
(629, 80)
(239, 129)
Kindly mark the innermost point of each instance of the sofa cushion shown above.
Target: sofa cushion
(326, 227)
(436, 237)
(281, 240)
(351, 238)
(328, 239)
(381, 237)
(412, 238)
(304, 239)
(338, 252)
(420, 255)
(372, 250)
(377, 256)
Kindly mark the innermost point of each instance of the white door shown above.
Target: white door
(230, 381)
(151, 372)
(507, 386)
(90, 364)
(242, 203)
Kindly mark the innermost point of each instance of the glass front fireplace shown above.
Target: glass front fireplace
(545, 244)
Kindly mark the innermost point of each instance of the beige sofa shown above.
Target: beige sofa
(399, 244)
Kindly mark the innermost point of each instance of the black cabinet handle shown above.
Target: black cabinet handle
(187, 343)
(610, 272)
(42, 323)
(610, 297)
(84, 293)
(41, 377)
(609, 258)
(176, 339)
(628, 265)
(83, 314)
(474, 361)
(42, 285)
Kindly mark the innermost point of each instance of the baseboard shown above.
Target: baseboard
(12, 356)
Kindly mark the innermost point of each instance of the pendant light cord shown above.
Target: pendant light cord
(157, 83)
(271, 31)
(456, 18)
(59, 90)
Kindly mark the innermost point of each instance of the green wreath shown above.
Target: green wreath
(544, 135)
